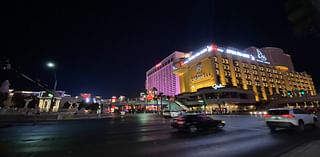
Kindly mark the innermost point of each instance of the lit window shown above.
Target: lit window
(215, 59)
(236, 63)
(217, 72)
(217, 65)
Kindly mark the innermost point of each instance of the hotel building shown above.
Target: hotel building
(162, 78)
(265, 72)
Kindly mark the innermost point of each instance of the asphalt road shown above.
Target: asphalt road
(148, 135)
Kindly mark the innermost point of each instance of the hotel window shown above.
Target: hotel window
(261, 68)
(227, 61)
(217, 65)
(255, 72)
(249, 82)
(253, 67)
(215, 59)
(263, 73)
(265, 84)
(227, 73)
(236, 63)
(217, 72)
(226, 67)
(245, 65)
(224, 61)
(227, 80)
(257, 83)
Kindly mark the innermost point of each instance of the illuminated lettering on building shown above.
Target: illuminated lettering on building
(199, 74)
(207, 49)
(217, 86)
(261, 57)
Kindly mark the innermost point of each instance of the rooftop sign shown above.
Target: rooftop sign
(260, 57)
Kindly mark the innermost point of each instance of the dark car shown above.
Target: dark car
(192, 123)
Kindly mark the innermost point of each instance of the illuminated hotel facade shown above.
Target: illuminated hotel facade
(162, 78)
(264, 71)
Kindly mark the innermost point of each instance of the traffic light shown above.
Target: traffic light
(302, 92)
(289, 93)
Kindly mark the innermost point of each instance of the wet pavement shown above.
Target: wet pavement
(148, 135)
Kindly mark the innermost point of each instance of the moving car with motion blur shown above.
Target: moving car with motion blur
(195, 122)
(289, 118)
(170, 114)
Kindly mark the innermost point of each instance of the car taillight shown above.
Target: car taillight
(180, 122)
(179, 118)
(287, 116)
(267, 115)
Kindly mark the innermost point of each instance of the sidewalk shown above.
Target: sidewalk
(311, 149)
(50, 117)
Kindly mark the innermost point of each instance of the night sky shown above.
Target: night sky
(106, 47)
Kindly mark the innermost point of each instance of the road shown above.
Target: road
(148, 135)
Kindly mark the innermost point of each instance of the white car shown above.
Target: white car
(289, 118)
(171, 114)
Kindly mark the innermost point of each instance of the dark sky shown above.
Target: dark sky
(106, 47)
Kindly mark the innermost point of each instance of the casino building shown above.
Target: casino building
(161, 76)
(261, 72)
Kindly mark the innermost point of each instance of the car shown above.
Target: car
(289, 118)
(171, 114)
(195, 122)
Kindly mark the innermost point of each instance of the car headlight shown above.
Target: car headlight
(223, 121)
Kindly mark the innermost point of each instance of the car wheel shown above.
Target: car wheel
(192, 129)
(301, 126)
(315, 120)
(220, 125)
(273, 129)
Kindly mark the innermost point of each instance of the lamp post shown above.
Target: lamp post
(51, 65)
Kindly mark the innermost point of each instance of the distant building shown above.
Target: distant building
(162, 78)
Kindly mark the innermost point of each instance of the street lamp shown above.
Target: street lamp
(51, 65)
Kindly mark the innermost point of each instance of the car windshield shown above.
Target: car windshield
(278, 112)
